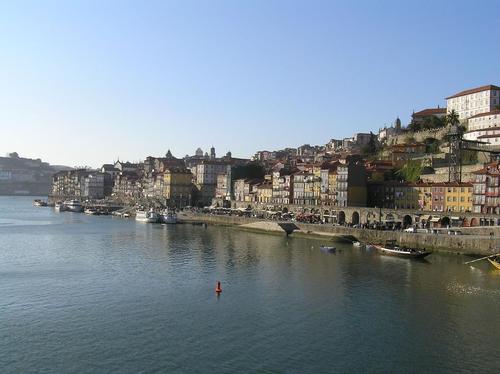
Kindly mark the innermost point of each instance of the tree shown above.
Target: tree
(410, 172)
(452, 118)
(14, 155)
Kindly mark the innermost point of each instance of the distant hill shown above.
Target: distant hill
(26, 176)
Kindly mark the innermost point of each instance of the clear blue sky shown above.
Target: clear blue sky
(83, 82)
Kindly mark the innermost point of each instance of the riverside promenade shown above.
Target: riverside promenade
(471, 243)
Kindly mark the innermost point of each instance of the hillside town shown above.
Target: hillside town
(444, 160)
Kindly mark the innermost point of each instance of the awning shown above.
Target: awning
(456, 218)
(435, 219)
(425, 217)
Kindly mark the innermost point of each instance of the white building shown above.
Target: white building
(478, 100)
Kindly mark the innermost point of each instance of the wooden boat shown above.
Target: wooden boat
(495, 261)
(325, 248)
(391, 249)
(492, 259)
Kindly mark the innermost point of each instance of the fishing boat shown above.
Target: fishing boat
(39, 202)
(169, 217)
(73, 206)
(59, 206)
(148, 216)
(392, 249)
(328, 249)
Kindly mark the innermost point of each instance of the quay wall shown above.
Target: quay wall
(462, 244)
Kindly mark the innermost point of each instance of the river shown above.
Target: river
(99, 294)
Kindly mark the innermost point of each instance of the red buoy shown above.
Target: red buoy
(218, 288)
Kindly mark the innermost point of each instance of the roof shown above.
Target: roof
(494, 128)
(489, 136)
(474, 90)
(493, 112)
(491, 168)
(429, 112)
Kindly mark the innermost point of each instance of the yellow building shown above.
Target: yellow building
(457, 197)
(177, 186)
(265, 192)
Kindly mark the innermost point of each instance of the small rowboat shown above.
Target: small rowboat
(495, 261)
(325, 248)
(391, 249)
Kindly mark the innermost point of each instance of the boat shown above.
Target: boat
(392, 249)
(149, 216)
(39, 202)
(169, 217)
(91, 211)
(495, 261)
(73, 206)
(356, 244)
(326, 248)
(59, 206)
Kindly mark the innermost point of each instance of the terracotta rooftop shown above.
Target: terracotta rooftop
(430, 112)
(475, 90)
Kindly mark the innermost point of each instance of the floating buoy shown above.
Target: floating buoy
(218, 288)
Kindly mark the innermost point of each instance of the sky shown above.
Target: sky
(88, 82)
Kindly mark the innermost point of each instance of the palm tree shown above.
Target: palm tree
(452, 118)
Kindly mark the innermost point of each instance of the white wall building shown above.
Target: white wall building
(474, 101)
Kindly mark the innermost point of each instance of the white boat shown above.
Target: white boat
(91, 211)
(169, 217)
(39, 202)
(147, 216)
(356, 244)
(59, 206)
(73, 206)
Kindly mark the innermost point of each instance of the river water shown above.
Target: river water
(101, 294)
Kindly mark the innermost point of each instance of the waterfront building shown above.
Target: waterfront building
(80, 184)
(328, 178)
(265, 192)
(245, 190)
(351, 184)
(223, 190)
(128, 184)
(458, 197)
(177, 187)
(486, 189)
(306, 187)
(282, 184)
(206, 178)
(474, 101)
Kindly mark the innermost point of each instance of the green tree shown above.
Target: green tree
(410, 171)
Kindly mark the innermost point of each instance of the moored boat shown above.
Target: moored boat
(39, 202)
(391, 249)
(73, 206)
(169, 217)
(328, 249)
(91, 211)
(149, 216)
(59, 206)
(356, 244)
